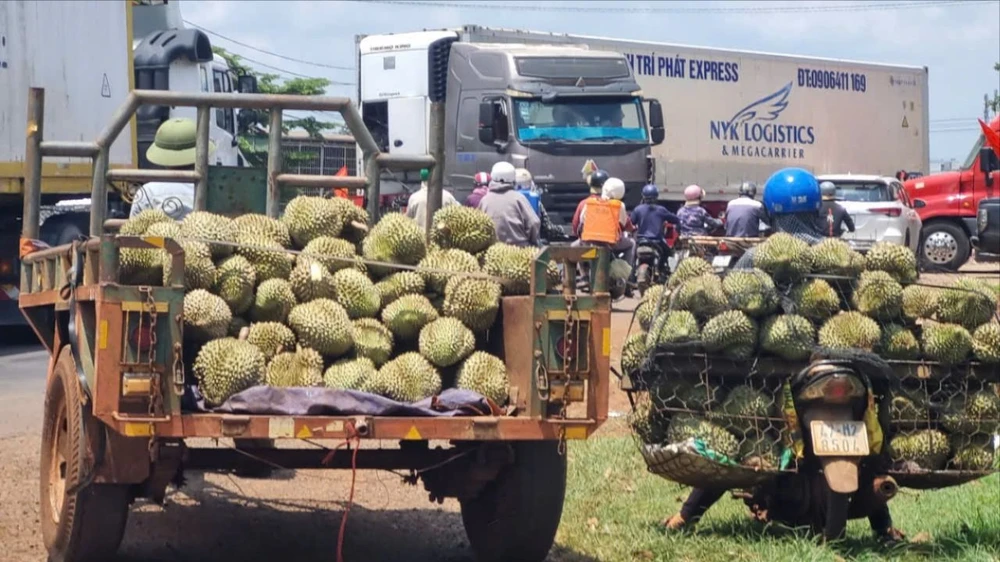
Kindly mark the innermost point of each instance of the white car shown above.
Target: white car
(880, 208)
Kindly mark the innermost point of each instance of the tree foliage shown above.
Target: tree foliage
(994, 104)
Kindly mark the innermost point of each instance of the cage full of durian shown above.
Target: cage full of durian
(703, 335)
(315, 299)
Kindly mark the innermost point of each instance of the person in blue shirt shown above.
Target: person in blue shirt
(650, 217)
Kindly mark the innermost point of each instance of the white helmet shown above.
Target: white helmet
(614, 188)
(523, 179)
(503, 172)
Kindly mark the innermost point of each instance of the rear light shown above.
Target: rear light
(6, 268)
(833, 388)
(887, 211)
(723, 247)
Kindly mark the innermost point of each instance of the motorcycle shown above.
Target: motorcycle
(652, 259)
(841, 476)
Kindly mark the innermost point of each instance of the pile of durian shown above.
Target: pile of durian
(319, 299)
(797, 298)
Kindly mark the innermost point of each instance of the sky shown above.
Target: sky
(958, 41)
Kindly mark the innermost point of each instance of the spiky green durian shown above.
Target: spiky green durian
(269, 258)
(261, 225)
(833, 256)
(323, 325)
(970, 303)
(752, 292)
(311, 281)
(473, 301)
(206, 316)
(919, 302)
(407, 315)
(226, 366)
(309, 218)
(816, 300)
(372, 340)
(399, 284)
(850, 329)
(684, 426)
(909, 409)
(978, 412)
(164, 229)
(947, 343)
(485, 374)
(356, 293)
(273, 301)
(139, 266)
(204, 226)
(395, 239)
(878, 295)
(349, 374)
(234, 281)
(137, 225)
(702, 295)
(986, 342)
(441, 265)
(334, 253)
(789, 336)
(634, 350)
(407, 378)
(760, 451)
(783, 257)
(731, 333)
(678, 326)
(689, 268)
(271, 338)
(927, 448)
(747, 408)
(356, 220)
(199, 271)
(446, 341)
(647, 306)
(301, 368)
(648, 424)
(463, 228)
(898, 261)
(973, 458)
(899, 343)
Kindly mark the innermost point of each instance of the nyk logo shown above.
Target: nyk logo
(756, 131)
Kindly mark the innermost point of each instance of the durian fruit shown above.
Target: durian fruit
(647, 306)
(678, 326)
(986, 342)
(514, 266)
(202, 226)
(164, 229)
(301, 368)
(355, 221)
(702, 296)
(349, 374)
(634, 351)
(789, 336)
(927, 448)
(140, 266)
(751, 291)
(199, 271)
(783, 257)
(137, 225)
(356, 293)
(224, 367)
(446, 341)
(671, 391)
(473, 301)
(372, 341)
(972, 459)
(236, 326)
(899, 343)
(271, 338)
(816, 300)
(273, 301)
(235, 280)
(732, 333)
(445, 263)
(323, 325)
(746, 408)
(334, 253)
(878, 295)
(407, 315)
(311, 281)
(485, 374)
(261, 225)
(407, 378)
(760, 451)
(833, 256)
(309, 218)
(970, 303)
(898, 261)
(269, 258)
(909, 409)
(206, 316)
(979, 412)
(946, 343)
(919, 302)
(399, 284)
(689, 268)
(684, 426)
(850, 329)
(647, 423)
(394, 239)
(463, 228)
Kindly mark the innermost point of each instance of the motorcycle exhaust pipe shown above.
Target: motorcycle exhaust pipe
(885, 487)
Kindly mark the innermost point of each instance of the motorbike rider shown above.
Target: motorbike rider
(832, 214)
(604, 222)
(695, 220)
(513, 216)
(416, 206)
(791, 197)
(480, 185)
(596, 182)
(650, 218)
(525, 185)
(744, 214)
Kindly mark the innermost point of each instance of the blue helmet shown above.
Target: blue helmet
(650, 191)
(791, 190)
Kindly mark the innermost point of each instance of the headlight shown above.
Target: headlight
(981, 219)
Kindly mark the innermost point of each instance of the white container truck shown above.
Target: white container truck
(733, 116)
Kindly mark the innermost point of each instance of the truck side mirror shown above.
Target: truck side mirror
(247, 84)
(486, 133)
(988, 160)
(656, 132)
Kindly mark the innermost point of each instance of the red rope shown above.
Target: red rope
(352, 436)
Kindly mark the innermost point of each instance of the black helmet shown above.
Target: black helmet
(749, 189)
(597, 179)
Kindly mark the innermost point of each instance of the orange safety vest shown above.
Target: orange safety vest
(601, 221)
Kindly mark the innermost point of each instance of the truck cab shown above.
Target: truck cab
(947, 202)
(546, 108)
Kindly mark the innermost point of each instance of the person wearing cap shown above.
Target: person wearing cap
(480, 185)
(173, 147)
(745, 214)
(516, 221)
(695, 219)
(416, 207)
(832, 215)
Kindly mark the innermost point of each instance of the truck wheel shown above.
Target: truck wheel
(86, 524)
(516, 516)
(944, 246)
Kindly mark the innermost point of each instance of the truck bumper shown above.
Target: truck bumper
(984, 255)
(10, 313)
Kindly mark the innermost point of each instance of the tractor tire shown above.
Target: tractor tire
(516, 516)
(85, 524)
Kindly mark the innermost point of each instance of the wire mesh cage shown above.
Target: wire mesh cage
(716, 352)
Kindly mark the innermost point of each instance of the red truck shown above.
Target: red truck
(946, 203)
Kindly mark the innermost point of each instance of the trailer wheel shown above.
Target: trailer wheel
(943, 246)
(86, 524)
(516, 516)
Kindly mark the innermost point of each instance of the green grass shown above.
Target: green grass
(614, 506)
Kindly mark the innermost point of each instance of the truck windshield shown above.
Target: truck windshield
(600, 120)
(971, 158)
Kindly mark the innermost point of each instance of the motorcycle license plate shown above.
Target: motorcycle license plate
(721, 261)
(839, 438)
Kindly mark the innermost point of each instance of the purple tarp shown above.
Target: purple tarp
(318, 401)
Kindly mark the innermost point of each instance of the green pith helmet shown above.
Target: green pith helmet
(425, 174)
(174, 144)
